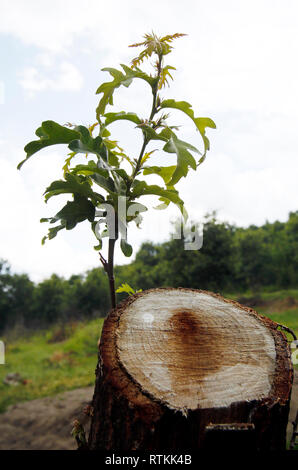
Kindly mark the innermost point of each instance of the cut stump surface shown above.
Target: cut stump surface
(166, 353)
(194, 350)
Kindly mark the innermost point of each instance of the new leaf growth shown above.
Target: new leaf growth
(102, 180)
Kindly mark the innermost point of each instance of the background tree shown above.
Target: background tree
(232, 259)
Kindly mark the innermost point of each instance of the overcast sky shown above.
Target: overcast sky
(238, 65)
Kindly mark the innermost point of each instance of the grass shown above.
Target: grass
(49, 368)
(271, 306)
(266, 295)
(288, 318)
(280, 295)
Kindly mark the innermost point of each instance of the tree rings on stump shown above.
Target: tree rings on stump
(173, 361)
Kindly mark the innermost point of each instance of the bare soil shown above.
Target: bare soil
(45, 424)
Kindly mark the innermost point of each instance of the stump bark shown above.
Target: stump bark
(174, 363)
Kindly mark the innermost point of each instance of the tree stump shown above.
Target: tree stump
(175, 362)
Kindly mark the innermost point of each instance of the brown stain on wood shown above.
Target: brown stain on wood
(199, 346)
(187, 356)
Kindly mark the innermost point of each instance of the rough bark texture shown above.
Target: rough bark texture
(173, 361)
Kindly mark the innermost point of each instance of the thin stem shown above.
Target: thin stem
(110, 264)
(145, 142)
(111, 272)
(153, 112)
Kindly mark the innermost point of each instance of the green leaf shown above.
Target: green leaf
(154, 44)
(184, 157)
(138, 73)
(104, 132)
(165, 172)
(87, 144)
(146, 156)
(121, 180)
(73, 185)
(79, 139)
(104, 182)
(170, 194)
(99, 246)
(50, 133)
(134, 209)
(113, 159)
(112, 117)
(121, 172)
(141, 188)
(127, 289)
(120, 78)
(126, 248)
(201, 123)
(65, 167)
(137, 188)
(164, 76)
(52, 233)
(101, 176)
(151, 134)
(137, 206)
(89, 169)
(76, 211)
(85, 135)
(181, 105)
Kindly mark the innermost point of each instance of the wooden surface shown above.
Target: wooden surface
(173, 361)
(192, 349)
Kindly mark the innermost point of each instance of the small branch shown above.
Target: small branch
(103, 262)
(285, 328)
(140, 158)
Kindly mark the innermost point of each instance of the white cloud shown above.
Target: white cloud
(238, 65)
(55, 26)
(68, 78)
(2, 92)
(236, 56)
(22, 206)
(46, 59)
(241, 195)
(48, 26)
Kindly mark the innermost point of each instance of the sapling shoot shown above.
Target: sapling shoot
(103, 191)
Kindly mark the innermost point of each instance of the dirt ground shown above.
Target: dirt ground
(46, 424)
